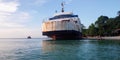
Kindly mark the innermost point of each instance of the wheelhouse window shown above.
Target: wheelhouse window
(62, 16)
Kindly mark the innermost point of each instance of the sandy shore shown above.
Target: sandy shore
(110, 38)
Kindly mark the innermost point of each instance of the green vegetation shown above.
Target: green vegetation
(104, 26)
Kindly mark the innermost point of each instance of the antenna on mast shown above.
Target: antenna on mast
(62, 4)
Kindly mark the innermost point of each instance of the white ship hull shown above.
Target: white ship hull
(66, 28)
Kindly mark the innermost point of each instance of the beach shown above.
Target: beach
(104, 38)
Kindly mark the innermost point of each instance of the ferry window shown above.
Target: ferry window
(63, 16)
(68, 20)
(75, 21)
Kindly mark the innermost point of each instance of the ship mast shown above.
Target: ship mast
(62, 4)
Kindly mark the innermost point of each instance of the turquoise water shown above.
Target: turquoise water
(41, 49)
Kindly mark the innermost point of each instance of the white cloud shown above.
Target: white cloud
(8, 6)
(40, 2)
(68, 1)
(37, 3)
(13, 21)
(10, 17)
(20, 33)
(10, 25)
(19, 17)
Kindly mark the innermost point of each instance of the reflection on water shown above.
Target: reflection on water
(81, 50)
(61, 50)
(39, 49)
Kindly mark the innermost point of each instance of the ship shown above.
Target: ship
(62, 26)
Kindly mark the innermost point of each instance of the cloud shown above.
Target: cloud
(8, 7)
(10, 25)
(10, 17)
(40, 2)
(37, 3)
(19, 17)
(13, 21)
(20, 33)
(68, 1)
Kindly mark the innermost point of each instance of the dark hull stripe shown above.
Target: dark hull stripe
(64, 34)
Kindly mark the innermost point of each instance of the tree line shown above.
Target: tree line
(104, 26)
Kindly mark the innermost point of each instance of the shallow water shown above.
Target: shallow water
(41, 49)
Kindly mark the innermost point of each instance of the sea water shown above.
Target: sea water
(43, 49)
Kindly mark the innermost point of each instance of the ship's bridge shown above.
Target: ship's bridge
(63, 15)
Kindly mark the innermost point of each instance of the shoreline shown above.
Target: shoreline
(104, 38)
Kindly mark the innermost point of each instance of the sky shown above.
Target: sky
(22, 18)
